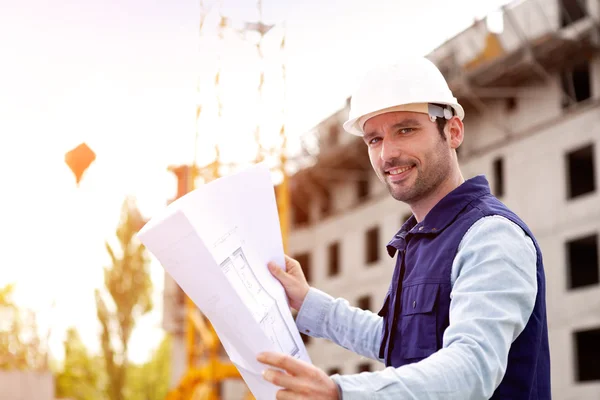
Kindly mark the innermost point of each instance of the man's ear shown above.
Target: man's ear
(455, 131)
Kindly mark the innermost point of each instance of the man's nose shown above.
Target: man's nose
(389, 150)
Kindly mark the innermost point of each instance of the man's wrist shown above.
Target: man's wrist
(303, 298)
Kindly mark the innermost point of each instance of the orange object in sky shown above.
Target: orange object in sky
(79, 159)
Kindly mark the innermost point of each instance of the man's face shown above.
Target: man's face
(408, 154)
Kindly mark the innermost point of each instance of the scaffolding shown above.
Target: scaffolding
(539, 40)
(207, 365)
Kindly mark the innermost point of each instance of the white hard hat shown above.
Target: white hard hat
(413, 84)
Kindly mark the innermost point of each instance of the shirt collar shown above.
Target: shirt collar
(443, 213)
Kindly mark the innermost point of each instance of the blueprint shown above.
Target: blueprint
(215, 242)
(262, 305)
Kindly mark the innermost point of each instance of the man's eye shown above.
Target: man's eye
(406, 130)
(373, 141)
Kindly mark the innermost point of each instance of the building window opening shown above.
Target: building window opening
(334, 259)
(304, 260)
(300, 215)
(576, 84)
(571, 11)
(364, 367)
(582, 259)
(372, 245)
(499, 177)
(364, 303)
(587, 344)
(362, 189)
(581, 172)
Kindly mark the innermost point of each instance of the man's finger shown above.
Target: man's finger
(286, 394)
(292, 266)
(279, 273)
(286, 381)
(283, 361)
(289, 261)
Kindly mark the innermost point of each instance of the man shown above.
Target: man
(465, 314)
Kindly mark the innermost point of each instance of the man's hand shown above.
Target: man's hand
(302, 380)
(293, 281)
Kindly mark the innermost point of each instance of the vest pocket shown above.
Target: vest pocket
(418, 327)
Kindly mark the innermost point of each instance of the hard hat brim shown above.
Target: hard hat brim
(355, 125)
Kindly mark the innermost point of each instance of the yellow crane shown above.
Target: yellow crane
(207, 367)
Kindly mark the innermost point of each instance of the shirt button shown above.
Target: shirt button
(414, 304)
(420, 228)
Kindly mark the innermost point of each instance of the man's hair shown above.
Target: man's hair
(441, 121)
(441, 124)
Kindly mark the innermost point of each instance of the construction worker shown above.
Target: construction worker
(465, 313)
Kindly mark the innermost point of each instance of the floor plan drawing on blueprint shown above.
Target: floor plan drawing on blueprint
(262, 305)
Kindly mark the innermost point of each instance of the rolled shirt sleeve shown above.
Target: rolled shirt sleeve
(355, 329)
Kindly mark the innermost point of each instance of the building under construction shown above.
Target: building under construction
(531, 92)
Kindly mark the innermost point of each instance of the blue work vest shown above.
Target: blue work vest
(416, 308)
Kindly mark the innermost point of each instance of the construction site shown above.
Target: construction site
(531, 92)
(528, 78)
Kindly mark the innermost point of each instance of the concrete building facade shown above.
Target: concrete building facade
(540, 151)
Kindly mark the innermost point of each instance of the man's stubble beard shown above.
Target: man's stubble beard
(426, 182)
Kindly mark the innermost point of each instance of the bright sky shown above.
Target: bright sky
(122, 76)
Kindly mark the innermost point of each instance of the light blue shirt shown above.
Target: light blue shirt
(494, 288)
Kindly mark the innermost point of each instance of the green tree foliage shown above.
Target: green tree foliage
(150, 381)
(21, 347)
(82, 376)
(127, 296)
